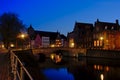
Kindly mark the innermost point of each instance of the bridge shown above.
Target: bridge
(68, 51)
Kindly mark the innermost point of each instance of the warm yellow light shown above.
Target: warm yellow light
(101, 38)
(22, 35)
(72, 44)
(3, 46)
(101, 76)
(57, 58)
(95, 67)
(107, 68)
(59, 43)
(52, 45)
(52, 56)
(12, 45)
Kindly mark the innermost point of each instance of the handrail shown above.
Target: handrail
(18, 75)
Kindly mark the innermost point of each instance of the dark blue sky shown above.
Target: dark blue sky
(61, 15)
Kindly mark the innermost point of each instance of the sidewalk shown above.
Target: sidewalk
(3, 50)
(4, 65)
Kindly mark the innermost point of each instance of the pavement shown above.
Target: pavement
(4, 65)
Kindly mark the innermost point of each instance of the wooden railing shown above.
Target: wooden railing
(18, 69)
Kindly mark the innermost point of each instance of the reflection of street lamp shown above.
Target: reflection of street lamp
(101, 76)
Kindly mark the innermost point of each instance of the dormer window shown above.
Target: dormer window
(105, 27)
(112, 28)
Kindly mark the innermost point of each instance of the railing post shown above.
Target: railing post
(18, 75)
(12, 61)
(13, 65)
(14, 69)
(16, 66)
(21, 72)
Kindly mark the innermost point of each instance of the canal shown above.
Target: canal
(81, 68)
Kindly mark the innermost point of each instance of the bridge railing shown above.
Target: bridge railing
(18, 68)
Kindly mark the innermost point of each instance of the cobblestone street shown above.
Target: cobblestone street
(4, 65)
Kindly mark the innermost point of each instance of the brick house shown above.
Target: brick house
(81, 35)
(46, 39)
(106, 35)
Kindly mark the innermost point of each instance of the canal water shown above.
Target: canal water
(81, 69)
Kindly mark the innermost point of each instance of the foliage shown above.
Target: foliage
(10, 27)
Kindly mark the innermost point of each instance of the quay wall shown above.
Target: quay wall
(103, 53)
(77, 52)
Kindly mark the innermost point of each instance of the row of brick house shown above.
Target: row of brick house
(101, 35)
(40, 39)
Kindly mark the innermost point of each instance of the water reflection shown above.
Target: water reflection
(58, 74)
(101, 76)
(82, 69)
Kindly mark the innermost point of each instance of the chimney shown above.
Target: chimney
(117, 22)
(97, 20)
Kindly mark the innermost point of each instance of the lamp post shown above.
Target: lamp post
(101, 38)
(101, 41)
(22, 37)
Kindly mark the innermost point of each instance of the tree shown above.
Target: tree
(10, 27)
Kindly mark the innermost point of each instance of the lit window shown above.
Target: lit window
(95, 43)
(71, 44)
(101, 42)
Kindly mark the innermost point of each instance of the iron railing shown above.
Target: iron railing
(17, 68)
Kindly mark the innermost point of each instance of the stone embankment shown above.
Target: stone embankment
(103, 53)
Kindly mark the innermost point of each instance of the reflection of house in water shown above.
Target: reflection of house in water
(46, 39)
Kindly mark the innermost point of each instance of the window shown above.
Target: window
(101, 42)
(112, 28)
(95, 44)
(105, 27)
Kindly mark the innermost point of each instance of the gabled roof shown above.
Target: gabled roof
(107, 24)
(63, 36)
(83, 26)
(52, 35)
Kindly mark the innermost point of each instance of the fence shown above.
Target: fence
(18, 68)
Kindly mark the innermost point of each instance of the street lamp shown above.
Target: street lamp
(101, 38)
(101, 41)
(22, 36)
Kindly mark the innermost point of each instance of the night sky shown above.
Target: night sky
(61, 15)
